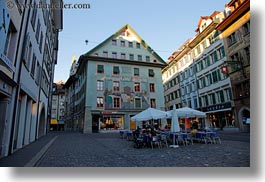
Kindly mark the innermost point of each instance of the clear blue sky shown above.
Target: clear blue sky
(164, 25)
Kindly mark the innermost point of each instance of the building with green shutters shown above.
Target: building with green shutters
(114, 81)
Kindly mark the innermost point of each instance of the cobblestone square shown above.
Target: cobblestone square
(109, 150)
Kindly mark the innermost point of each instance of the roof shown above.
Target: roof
(125, 27)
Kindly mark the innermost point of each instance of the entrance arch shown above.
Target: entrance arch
(243, 114)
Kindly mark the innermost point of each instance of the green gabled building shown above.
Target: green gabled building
(114, 81)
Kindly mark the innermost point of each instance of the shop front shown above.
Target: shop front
(220, 116)
(107, 121)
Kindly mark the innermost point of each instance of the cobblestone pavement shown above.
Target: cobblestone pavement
(109, 150)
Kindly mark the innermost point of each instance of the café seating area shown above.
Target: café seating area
(152, 138)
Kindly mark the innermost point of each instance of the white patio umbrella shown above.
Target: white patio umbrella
(150, 114)
(174, 125)
(187, 112)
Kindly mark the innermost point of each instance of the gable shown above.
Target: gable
(126, 44)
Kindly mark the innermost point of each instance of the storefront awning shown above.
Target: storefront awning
(54, 121)
(220, 110)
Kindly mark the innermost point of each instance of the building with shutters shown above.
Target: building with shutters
(58, 107)
(235, 31)
(193, 76)
(114, 81)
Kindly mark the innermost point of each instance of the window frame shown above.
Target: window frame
(114, 72)
(101, 103)
(99, 72)
(100, 85)
(116, 86)
(152, 87)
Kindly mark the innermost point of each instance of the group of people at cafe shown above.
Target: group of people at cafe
(146, 133)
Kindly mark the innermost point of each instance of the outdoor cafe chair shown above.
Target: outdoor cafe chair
(207, 138)
(180, 138)
(189, 139)
(163, 140)
(155, 141)
(215, 138)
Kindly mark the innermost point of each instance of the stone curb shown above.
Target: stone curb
(38, 156)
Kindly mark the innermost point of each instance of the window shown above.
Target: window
(7, 43)
(205, 44)
(123, 56)
(137, 87)
(147, 58)
(100, 85)
(99, 101)
(153, 103)
(100, 69)
(203, 82)
(199, 49)
(228, 93)
(29, 53)
(209, 79)
(136, 72)
(116, 86)
(116, 102)
(37, 35)
(33, 17)
(214, 57)
(205, 98)
(221, 96)
(221, 52)
(247, 53)
(122, 43)
(38, 73)
(114, 42)
(208, 60)
(212, 96)
(114, 55)
(105, 54)
(152, 87)
(246, 28)
(131, 57)
(138, 45)
(116, 70)
(232, 39)
(32, 72)
(214, 75)
(41, 40)
(140, 57)
(137, 103)
(151, 73)
(131, 44)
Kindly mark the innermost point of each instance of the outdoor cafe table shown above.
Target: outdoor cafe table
(126, 133)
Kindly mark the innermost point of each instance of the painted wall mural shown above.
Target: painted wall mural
(126, 96)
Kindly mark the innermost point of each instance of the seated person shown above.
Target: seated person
(136, 133)
(193, 131)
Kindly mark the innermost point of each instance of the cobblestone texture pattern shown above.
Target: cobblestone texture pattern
(109, 150)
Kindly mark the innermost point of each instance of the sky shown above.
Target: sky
(164, 25)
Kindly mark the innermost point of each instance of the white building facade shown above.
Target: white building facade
(31, 46)
(202, 85)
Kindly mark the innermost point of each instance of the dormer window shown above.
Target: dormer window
(114, 42)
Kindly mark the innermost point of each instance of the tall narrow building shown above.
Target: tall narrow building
(28, 54)
(236, 35)
(114, 81)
